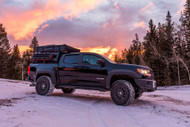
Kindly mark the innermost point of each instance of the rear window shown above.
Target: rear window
(71, 59)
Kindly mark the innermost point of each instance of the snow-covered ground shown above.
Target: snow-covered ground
(20, 106)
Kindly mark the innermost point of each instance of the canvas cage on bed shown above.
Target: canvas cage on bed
(51, 53)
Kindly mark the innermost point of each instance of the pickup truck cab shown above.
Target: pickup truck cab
(83, 70)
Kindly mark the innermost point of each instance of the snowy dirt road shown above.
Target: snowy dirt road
(20, 106)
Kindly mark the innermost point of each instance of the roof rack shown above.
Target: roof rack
(55, 48)
(51, 53)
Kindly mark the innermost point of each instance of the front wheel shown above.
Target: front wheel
(44, 86)
(68, 90)
(122, 92)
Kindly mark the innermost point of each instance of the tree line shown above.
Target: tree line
(165, 48)
(13, 65)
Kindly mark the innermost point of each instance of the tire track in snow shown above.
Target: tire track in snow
(170, 99)
(166, 108)
(94, 116)
(131, 116)
(167, 99)
(94, 119)
(132, 121)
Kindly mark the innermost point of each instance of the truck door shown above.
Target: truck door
(90, 73)
(67, 71)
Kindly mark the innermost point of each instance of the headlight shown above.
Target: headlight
(145, 72)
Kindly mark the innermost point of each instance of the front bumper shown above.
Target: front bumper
(146, 85)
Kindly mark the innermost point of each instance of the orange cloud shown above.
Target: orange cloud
(146, 8)
(139, 25)
(107, 24)
(106, 51)
(43, 27)
(23, 24)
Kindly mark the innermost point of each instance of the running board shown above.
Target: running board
(81, 87)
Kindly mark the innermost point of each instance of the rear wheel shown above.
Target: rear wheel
(68, 90)
(44, 86)
(122, 92)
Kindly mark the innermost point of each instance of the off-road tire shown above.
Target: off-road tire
(44, 86)
(122, 92)
(68, 90)
(138, 95)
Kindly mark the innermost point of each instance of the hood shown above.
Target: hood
(133, 66)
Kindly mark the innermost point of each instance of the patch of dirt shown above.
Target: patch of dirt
(31, 93)
(170, 99)
(181, 112)
(9, 102)
(139, 102)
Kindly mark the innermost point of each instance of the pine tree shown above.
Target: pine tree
(34, 43)
(185, 22)
(134, 54)
(123, 56)
(26, 60)
(4, 52)
(152, 53)
(137, 49)
(167, 48)
(186, 26)
(27, 56)
(129, 56)
(161, 36)
(184, 55)
(15, 64)
(150, 41)
(116, 59)
(169, 36)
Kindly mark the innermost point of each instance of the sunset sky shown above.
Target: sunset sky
(83, 23)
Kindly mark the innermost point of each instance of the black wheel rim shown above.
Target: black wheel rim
(42, 88)
(120, 93)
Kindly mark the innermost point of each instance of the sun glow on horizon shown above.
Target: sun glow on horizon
(23, 48)
(106, 51)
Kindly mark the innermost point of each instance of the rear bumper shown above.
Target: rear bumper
(146, 85)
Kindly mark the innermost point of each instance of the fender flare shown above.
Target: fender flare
(129, 73)
(52, 75)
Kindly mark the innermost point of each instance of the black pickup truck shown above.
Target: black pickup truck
(64, 67)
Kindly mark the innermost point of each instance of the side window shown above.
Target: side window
(90, 59)
(71, 59)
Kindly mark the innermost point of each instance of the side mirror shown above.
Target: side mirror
(100, 62)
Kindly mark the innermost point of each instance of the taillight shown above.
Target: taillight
(28, 70)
